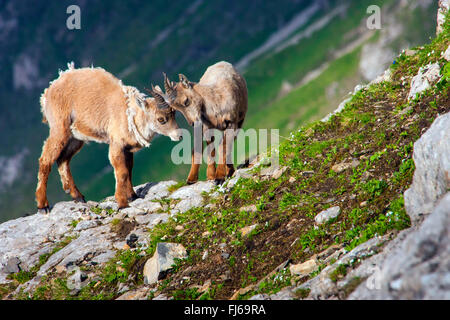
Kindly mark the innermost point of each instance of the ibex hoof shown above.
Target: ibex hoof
(191, 181)
(219, 181)
(79, 199)
(44, 210)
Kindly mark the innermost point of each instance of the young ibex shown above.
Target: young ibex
(218, 101)
(90, 104)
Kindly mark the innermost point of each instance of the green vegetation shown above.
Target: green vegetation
(375, 132)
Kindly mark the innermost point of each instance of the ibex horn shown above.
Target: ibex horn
(160, 101)
(171, 93)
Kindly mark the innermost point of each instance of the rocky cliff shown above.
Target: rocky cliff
(358, 209)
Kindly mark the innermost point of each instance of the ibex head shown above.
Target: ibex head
(162, 116)
(183, 97)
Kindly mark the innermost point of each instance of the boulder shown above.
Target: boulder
(446, 54)
(427, 76)
(191, 196)
(327, 215)
(444, 7)
(245, 231)
(304, 268)
(154, 191)
(419, 267)
(162, 260)
(77, 281)
(432, 175)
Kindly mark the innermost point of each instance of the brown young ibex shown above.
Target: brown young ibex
(90, 104)
(218, 101)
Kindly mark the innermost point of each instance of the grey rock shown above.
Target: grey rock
(152, 220)
(103, 257)
(260, 296)
(77, 281)
(419, 267)
(327, 215)
(12, 266)
(143, 206)
(90, 243)
(154, 191)
(132, 211)
(225, 255)
(161, 297)
(191, 195)
(427, 76)
(446, 54)
(432, 175)
(230, 183)
(444, 7)
(86, 224)
(28, 238)
(109, 205)
(162, 260)
(137, 294)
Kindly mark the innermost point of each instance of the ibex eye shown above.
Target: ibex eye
(187, 102)
(161, 120)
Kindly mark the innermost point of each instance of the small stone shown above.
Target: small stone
(278, 172)
(250, 208)
(427, 76)
(60, 269)
(292, 179)
(307, 173)
(363, 204)
(409, 52)
(77, 280)
(12, 266)
(86, 224)
(206, 234)
(338, 168)
(447, 54)
(205, 255)
(242, 292)
(225, 255)
(131, 240)
(179, 228)
(304, 268)
(327, 215)
(137, 294)
(246, 230)
(162, 260)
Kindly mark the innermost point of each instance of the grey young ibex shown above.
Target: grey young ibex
(90, 104)
(218, 101)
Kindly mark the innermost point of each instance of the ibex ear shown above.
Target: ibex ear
(184, 81)
(141, 103)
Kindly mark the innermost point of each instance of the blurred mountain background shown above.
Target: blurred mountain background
(300, 59)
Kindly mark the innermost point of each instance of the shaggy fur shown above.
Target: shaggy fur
(90, 104)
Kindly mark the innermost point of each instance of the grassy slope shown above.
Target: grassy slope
(377, 127)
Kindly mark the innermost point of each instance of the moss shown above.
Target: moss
(302, 293)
